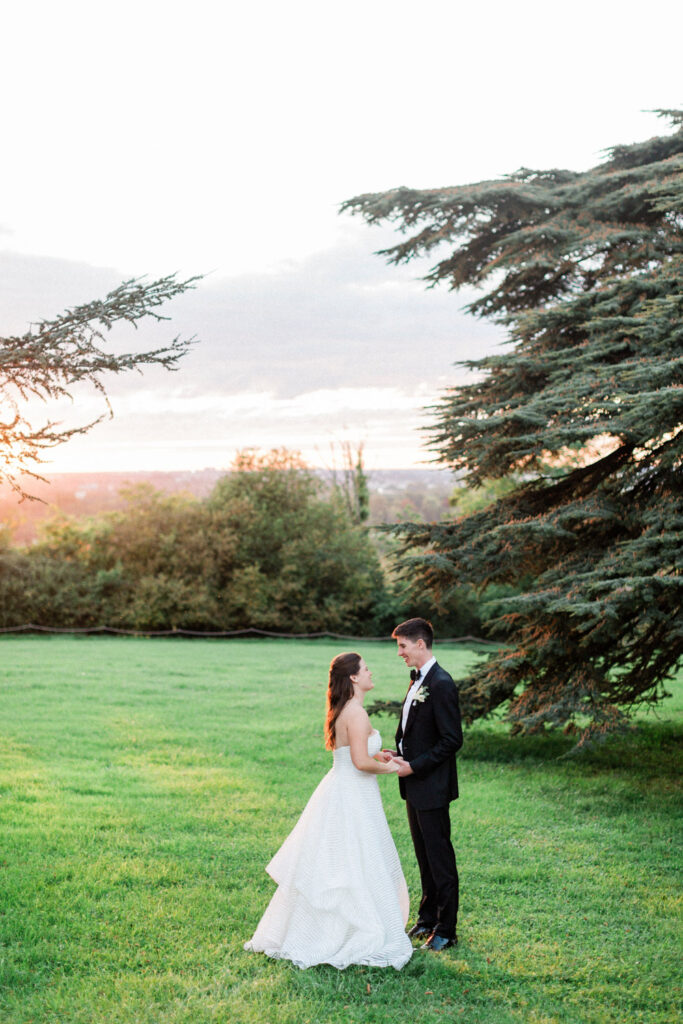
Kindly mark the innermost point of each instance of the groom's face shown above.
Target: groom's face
(412, 651)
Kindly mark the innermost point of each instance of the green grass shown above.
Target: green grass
(144, 785)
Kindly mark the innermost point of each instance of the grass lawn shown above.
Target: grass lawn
(145, 783)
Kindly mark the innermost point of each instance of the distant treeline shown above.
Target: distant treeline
(394, 495)
(272, 546)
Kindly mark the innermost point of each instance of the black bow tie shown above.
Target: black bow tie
(414, 674)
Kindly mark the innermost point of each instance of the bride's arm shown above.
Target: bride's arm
(358, 726)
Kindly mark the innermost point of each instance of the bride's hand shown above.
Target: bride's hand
(391, 767)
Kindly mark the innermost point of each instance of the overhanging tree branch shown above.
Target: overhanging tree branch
(47, 361)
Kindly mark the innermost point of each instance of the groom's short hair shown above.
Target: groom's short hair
(416, 629)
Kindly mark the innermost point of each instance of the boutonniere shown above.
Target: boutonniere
(421, 695)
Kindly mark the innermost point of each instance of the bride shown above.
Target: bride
(341, 897)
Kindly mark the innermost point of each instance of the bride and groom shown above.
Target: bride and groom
(341, 895)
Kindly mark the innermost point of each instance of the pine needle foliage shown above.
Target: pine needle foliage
(586, 403)
(55, 355)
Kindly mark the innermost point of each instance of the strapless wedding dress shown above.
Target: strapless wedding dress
(341, 897)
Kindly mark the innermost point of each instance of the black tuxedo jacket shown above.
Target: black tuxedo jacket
(432, 736)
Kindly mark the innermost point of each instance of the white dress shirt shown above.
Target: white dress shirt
(410, 696)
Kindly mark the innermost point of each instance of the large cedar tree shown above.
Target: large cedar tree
(586, 403)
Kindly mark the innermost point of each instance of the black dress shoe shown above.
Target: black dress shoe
(418, 930)
(439, 943)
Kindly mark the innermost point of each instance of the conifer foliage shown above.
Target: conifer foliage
(586, 403)
(54, 356)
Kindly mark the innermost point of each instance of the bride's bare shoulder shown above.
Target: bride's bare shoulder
(355, 717)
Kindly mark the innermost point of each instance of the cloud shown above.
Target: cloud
(340, 318)
(338, 344)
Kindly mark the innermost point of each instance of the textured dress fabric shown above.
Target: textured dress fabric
(341, 897)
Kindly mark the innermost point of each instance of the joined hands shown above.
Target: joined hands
(402, 766)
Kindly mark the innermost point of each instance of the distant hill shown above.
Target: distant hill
(394, 494)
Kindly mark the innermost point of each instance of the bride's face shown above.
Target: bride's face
(363, 677)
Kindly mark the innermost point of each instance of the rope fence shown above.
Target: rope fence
(31, 627)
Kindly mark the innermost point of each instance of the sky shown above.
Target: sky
(220, 139)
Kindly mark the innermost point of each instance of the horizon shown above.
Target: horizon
(82, 495)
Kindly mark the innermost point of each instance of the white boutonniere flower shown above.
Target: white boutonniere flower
(421, 695)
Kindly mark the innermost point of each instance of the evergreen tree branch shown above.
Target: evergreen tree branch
(46, 362)
(584, 409)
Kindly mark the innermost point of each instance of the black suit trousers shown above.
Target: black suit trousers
(431, 832)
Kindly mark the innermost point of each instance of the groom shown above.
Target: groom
(427, 738)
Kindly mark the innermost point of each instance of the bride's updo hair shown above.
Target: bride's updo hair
(339, 691)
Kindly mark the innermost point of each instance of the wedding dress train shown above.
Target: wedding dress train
(341, 897)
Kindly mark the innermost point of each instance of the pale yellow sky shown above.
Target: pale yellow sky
(220, 138)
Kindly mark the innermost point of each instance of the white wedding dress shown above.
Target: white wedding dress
(341, 897)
